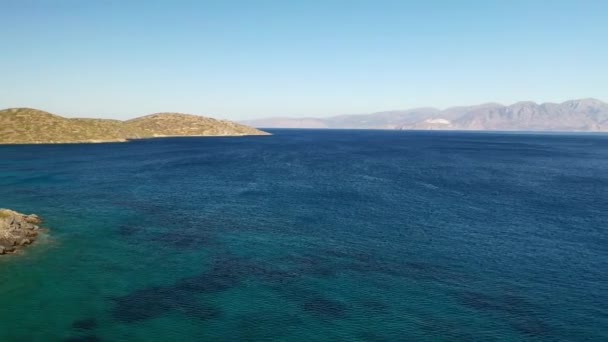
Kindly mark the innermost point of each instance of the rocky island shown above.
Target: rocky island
(33, 126)
(17, 230)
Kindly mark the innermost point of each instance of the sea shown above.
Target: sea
(311, 235)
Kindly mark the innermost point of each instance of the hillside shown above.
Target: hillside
(32, 126)
(576, 115)
(175, 124)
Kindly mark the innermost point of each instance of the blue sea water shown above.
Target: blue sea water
(311, 235)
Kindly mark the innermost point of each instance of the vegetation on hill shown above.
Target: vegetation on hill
(32, 126)
(174, 124)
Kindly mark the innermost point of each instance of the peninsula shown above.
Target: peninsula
(33, 126)
(17, 230)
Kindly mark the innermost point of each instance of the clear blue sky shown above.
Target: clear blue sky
(248, 59)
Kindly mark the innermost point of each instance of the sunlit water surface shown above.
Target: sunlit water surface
(311, 235)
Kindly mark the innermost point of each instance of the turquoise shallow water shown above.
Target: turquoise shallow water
(311, 235)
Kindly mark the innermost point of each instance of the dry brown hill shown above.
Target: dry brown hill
(32, 126)
(177, 124)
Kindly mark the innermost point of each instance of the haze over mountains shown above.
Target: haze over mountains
(32, 126)
(574, 115)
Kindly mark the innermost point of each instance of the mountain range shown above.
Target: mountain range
(574, 115)
(33, 126)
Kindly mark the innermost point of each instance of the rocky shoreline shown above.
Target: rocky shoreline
(17, 230)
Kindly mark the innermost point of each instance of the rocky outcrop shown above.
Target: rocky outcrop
(17, 230)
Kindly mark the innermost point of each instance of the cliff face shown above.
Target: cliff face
(17, 230)
(32, 126)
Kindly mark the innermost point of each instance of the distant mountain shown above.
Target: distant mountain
(32, 126)
(575, 115)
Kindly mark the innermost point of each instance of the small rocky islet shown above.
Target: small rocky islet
(17, 230)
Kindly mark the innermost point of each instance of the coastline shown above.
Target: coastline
(96, 141)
